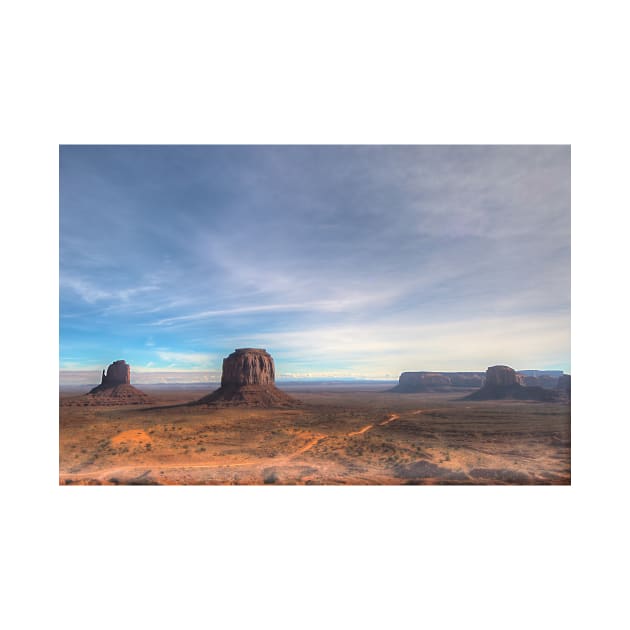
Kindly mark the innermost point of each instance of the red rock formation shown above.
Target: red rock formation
(118, 373)
(124, 394)
(502, 383)
(115, 389)
(248, 366)
(248, 379)
(500, 375)
(467, 379)
(544, 380)
(413, 382)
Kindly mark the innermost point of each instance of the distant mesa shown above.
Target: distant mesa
(424, 380)
(503, 383)
(248, 380)
(542, 378)
(416, 382)
(564, 385)
(115, 389)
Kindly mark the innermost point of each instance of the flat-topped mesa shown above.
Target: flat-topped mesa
(545, 378)
(417, 382)
(503, 383)
(118, 373)
(421, 381)
(248, 380)
(248, 366)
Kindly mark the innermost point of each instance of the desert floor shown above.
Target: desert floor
(336, 436)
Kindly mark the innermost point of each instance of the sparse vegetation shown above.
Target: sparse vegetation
(489, 442)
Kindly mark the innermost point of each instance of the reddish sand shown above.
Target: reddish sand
(332, 437)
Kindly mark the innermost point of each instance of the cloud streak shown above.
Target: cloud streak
(203, 249)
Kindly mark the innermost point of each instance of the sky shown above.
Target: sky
(341, 261)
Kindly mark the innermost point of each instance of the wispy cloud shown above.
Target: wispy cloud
(329, 305)
(91, 293)
(390, 347)
(202, 248)
(186, 358)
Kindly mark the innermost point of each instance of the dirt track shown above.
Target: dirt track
(334, 438)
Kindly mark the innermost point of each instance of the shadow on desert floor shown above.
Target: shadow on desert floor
(332, 438)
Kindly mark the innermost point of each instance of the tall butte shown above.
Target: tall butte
(503, 383)
(116, 387)
(248, 380)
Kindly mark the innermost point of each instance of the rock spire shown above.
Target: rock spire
(115, 389)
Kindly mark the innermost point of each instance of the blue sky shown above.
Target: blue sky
(342, 261)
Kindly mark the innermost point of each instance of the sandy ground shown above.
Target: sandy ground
(349, 436)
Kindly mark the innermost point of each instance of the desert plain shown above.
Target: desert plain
(335, 435)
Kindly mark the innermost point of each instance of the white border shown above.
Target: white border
(344, 72)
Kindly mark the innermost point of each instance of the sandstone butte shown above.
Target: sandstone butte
(248, 380)
(115, 389)
(503, 383)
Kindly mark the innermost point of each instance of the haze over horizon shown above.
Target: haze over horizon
(341, 261)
